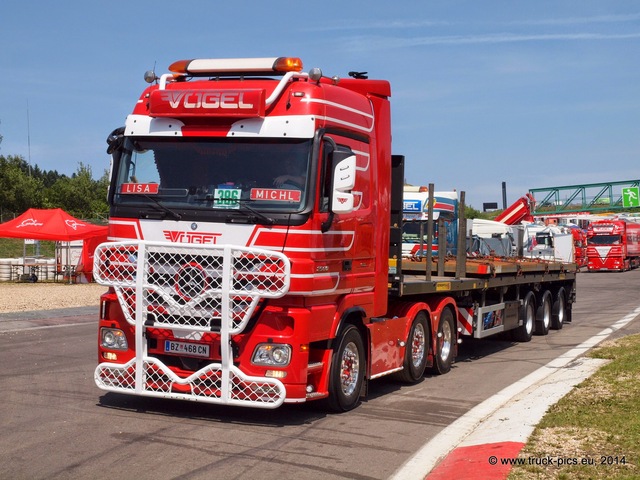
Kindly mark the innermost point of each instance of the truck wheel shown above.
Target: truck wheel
(347, 371)
(415, 357)
(445, 343)
(559, 310)
(543, 314)
(527, 315)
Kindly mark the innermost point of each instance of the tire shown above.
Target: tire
(445, 343)
(416, 351)
(347, 371)
(559, 310)
(543, 314)
(527, 314)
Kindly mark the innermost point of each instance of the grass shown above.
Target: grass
(14, 248)
(597, 425)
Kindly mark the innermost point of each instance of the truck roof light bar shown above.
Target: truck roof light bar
(235, 66)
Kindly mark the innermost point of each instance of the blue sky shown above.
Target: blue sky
(532, 93)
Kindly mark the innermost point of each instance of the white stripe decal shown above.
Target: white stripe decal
(348, 124)
(345, 108)
(335, 275)
(305, 232)
(338, 105)
(367, 158)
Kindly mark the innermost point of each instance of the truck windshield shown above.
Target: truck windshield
(604, 240)
(214, 174)
(411, 232)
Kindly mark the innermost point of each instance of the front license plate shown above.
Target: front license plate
(188, 349)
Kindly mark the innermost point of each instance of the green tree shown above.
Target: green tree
(471, 213)
(80, 195)
(18, 190)
(23, 186)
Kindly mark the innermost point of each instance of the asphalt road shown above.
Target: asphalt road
(56, 424)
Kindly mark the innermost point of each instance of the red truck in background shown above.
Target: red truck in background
(255, 252)
(580, 246)
(613, 245)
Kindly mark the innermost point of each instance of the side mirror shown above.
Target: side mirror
(344, 179)
(115, 140)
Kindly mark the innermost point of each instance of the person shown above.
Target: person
(294, 178)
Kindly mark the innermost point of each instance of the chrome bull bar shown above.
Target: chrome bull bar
(191, 289)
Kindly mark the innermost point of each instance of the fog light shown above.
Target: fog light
(110, 356)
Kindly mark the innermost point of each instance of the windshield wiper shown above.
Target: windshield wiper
(255, 213)
(164, 208)
(249, 211)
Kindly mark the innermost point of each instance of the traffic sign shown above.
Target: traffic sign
(631, 197)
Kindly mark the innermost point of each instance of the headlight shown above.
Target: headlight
(113, 339)
(272, 354)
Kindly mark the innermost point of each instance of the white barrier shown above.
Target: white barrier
(17, 269)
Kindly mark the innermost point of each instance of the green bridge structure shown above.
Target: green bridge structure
(592, 198)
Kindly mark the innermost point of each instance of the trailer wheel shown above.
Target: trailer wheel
(347, 371)
(527, 314)
(445, 343)
(543, 314)
(559, 310)
(415, 357)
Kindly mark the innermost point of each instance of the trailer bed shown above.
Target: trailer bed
(481, 273)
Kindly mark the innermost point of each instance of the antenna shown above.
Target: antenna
(28, 137)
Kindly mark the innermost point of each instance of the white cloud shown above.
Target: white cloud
(373, 43)
(631, 17)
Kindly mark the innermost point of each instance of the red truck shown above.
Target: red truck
(255, 247)
(613, 245)
(580, 246)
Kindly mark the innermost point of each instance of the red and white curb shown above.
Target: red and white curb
(485, 453)
(479, 444)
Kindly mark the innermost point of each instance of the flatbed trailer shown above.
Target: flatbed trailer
(486, 275)
(492, 294)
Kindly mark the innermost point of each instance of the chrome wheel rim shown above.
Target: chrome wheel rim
(418, 345)
(445, 341)
(561, 310)
(546, 317)
(349, 369)
(530, 318)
